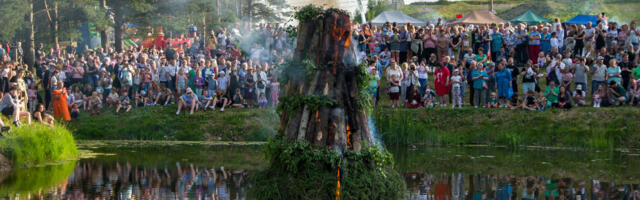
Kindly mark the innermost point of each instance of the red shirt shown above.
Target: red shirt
(442, 76)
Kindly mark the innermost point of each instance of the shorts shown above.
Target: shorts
(8, 111)
(394, 95)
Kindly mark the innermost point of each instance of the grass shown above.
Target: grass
(581, 127)
(161, 123)
(38, 144)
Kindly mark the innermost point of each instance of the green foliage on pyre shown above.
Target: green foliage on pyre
(301, 171)
(307, 13)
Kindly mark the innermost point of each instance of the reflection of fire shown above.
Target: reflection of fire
(338, 186)
(348, 136)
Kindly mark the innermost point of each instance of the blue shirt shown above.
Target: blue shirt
(477, 84)
(496, 42)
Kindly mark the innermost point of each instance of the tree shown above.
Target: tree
(124, 11)
(375, 7)
(12, 13)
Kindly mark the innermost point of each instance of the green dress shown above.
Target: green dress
(192, 76)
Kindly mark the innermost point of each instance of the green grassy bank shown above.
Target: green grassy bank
(161, 123)
(38, 144)
(581, 127)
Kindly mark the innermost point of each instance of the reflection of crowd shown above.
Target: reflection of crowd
(93, 180)
(492, 187)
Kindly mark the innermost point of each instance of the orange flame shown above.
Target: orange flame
(348, 136)
(338, 185)
(317, 116)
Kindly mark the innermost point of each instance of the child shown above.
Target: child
(238, 100)
(579, 96)
(530, 101)
(181, 82)
(275, 90)
(456, 81)
(514, 103)
(541, 59)
(199, 82)
(262, 100)
(635, 92)
(598, 96)
(99, 88)
(123, 102)
(113, 98)
(95, 103)
(141, 98)
(493, 101)
(221, 100)
(542, 101)
(207, 100)
(429, 95)
(75, 111)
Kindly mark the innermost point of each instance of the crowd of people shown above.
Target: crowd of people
(517, 66)
(208, 73)
(422, 186)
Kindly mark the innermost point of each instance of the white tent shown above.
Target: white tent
(398, 17)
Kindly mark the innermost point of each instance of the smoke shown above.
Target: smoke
(377, 139)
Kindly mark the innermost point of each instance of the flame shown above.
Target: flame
(317, 116)
(348, 136)
(338, 185)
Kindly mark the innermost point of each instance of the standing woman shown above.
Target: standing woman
(405, 82)
(503, 79)
(534, 44)
(395, 75)
(442, 45)
(456, 42)
(579, 38)
(429, 43)
(442, 84)
(60, 107)
(395, 45)
(416, 44)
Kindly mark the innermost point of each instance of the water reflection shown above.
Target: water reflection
(423, 186)
(121, 170)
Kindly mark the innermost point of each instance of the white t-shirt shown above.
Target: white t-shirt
(555, 43)
(397, 72)
(589, 32)
(422, 72)
(456, 80)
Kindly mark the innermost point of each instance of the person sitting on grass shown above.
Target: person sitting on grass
(542, 102)
(164, 96)
(11, 106)
(188, 100)
(141, 98)
(429, 96)
(207, 100)
(514, 102)
(238, 100)
(414, 97)
(635, 92)
(221, 101)
(123, 102)
(598, 96)
(579, 96)
(95, 103)
(42, 116)
(616, 94)
(493, 101)
(551, 93)
(262, 100)
(530, 101)
(113, 98)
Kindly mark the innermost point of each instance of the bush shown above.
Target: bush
(300, 171)
(37, 144)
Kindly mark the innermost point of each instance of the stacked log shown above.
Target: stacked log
(326, 40)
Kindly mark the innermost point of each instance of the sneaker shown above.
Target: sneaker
(221, 109)
(453, 106)
(475, 106)
(191, 112)
(177, 112)
(16, 123)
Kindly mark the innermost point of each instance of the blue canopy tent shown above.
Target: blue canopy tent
(583, 19)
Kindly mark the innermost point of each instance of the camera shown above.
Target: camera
(413, 68)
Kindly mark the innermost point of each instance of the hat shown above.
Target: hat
(600, 58)
(221, 73)
(212, 74)
(189, 90)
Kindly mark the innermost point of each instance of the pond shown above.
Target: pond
(194, 170)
